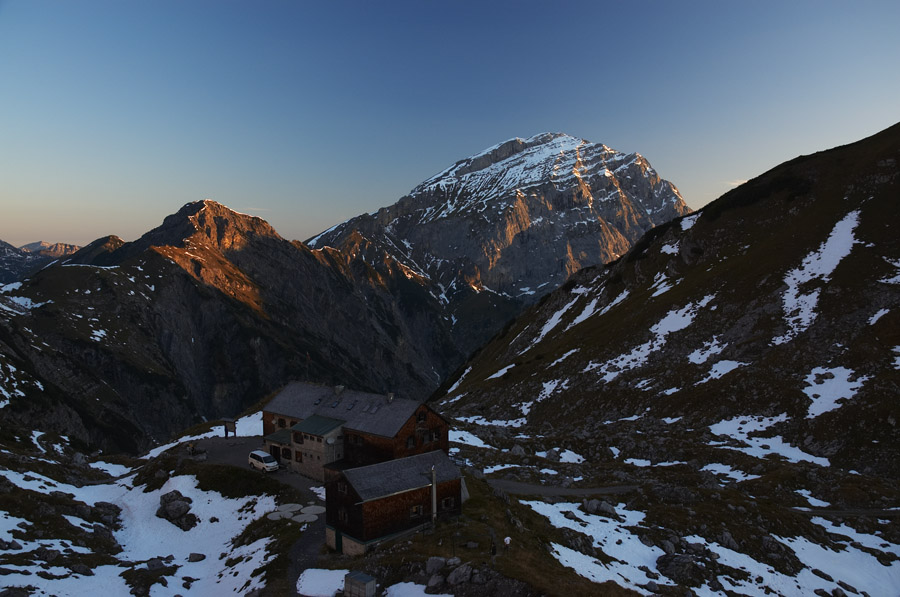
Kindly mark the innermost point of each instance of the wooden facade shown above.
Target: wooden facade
(368, 505)
(424, 431)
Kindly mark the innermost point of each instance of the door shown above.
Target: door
(275, 451)
(338, 541)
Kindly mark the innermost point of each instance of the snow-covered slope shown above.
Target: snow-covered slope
(743, 359)
(73, 527)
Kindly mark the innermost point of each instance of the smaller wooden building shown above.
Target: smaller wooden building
(367, 505)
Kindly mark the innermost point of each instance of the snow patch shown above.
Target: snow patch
(711, 348)
(470, 439)
(502, 372)
(740, 429)
(720, 369)
(827, 387)
(799, 307)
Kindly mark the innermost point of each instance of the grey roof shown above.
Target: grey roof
(317, 425)
(400, 475)
(362, 411)
(282, 436)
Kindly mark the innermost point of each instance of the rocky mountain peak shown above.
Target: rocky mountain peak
(476, 226)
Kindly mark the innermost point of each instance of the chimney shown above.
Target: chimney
(390, 397)
(433, 495)
(338, 390)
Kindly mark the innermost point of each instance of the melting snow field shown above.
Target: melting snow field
(611, 536)
(674, 321)
(144, 536)
(740, 428)
(849, 564)
(799, 307)
(847, 560)
(828, 388)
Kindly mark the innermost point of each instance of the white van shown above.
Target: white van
(262, 461)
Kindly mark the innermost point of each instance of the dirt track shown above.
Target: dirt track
(519, 488)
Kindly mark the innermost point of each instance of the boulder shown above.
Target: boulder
(461, 575)
(81, 569)
(683, 569)
(175, 508)
(196, 557)
(435, 564)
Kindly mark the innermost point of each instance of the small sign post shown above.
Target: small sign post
(229, 425)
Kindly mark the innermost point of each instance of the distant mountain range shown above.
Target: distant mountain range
(15, 263)
(122, 343)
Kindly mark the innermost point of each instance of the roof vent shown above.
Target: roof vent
(351, 405)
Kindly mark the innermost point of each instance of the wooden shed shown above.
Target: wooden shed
(371, 504)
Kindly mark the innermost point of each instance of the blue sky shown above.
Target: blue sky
(115, 113)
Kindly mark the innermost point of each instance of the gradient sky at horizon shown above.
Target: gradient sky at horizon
(114, 114)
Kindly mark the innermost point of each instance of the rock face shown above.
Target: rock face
(513, 222)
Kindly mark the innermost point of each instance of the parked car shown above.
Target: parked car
(262, 461)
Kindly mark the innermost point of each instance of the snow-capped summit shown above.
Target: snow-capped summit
(517, 218)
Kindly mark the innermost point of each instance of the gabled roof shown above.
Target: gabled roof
(398, 476)
(317, 425)
(361, 411)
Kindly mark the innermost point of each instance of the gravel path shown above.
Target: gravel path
(519, 488)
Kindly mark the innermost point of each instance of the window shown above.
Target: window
(286, 453)
(342, 515)
(342, 487)
(281, 423)
(298, 456)
(422, 416)
(447, 503)
(298, 438)
(416, 511)
(319, 439)
(435, 435)
(410, 442)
